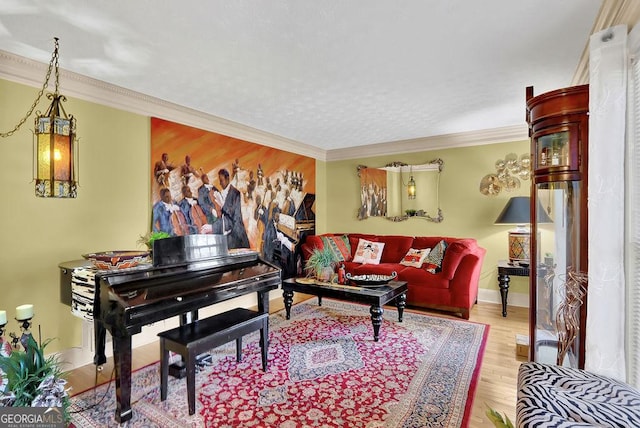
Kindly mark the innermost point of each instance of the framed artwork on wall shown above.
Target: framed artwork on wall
(205, 182)
(373, 192)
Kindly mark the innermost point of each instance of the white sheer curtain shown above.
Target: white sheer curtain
(632, 242)
(613, 313)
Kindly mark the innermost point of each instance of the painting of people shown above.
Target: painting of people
(373, 193)
(205, 182)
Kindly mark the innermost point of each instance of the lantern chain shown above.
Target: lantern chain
(54, 61)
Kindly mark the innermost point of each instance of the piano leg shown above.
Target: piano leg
(122, 363)
(263, 308)
(99, 337)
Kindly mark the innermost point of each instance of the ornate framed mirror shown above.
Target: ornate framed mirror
(399, 191)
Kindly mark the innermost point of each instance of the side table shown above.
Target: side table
(505, 270)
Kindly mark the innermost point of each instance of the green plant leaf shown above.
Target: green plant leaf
(497, 420)
(25, 371)
(319, 259)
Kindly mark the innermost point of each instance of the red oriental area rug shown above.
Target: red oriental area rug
(325, 370)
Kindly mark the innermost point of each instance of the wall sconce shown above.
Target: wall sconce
(55, 151)
(509, 172)
(411, 188)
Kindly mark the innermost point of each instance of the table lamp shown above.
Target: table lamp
(517, 211)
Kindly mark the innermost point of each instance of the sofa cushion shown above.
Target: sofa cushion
(426, 241)
(433, 262)
(314, 241)
(422, 278)
(396, 246)
(368, 252)
(354, 238)
(415, 257)
(339, 246)
(379, 269)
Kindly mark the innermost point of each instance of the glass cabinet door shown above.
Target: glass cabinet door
(558, 256)
(553, 150)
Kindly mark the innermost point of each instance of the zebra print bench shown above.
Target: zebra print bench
(563, 397)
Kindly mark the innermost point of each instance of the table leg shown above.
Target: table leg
(376, 320)
(401, 302)
(503, 283)
(288, 301)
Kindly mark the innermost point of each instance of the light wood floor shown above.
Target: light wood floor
(498, 377)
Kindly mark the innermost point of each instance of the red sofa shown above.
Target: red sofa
(453, 288)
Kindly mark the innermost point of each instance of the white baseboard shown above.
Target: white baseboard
(513, 299)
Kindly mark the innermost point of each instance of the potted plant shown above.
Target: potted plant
(29, 379)
(150, 237)
(321, 264)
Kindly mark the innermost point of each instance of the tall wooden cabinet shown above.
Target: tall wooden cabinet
(558, 128)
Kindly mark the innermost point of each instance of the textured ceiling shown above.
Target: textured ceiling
(328, 73)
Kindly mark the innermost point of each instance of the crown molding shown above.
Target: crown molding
(28, 72)
(448, 141)
(612, 13)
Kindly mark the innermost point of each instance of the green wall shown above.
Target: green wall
(112, 208)
(467, 213)
(110, 212)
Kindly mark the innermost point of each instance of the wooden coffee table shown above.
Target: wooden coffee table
(376, 297)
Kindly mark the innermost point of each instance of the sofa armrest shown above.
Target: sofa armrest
(454, 254)
(464, 285)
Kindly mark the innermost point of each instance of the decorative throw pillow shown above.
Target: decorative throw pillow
(433, 262)
(339, 246)
(368, 252)
(415, 257)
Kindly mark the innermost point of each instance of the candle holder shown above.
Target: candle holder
(5, 346)
(14, 340)
(26, 332)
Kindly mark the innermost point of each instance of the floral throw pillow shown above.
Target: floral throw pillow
(415, 257)
(339, 246)
(433, 262)
(368, 252)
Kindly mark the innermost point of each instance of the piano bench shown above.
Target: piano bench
(191, 340)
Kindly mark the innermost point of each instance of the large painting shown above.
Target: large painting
(204, 182)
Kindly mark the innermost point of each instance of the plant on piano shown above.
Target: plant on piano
(321, 264)
(32, 380)
(148, 238)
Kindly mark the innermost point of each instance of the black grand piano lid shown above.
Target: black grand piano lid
(305, 210)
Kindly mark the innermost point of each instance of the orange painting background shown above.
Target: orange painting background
(212, 151)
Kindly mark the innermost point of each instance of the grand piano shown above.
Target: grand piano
(188, 273)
